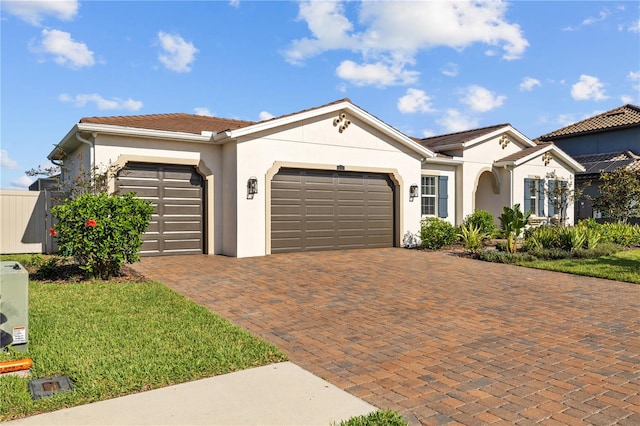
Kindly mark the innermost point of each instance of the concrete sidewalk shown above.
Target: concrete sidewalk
(276, 394)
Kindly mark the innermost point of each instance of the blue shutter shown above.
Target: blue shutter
(551, 207)
(527, 194)
(541, 198)
(443, 196)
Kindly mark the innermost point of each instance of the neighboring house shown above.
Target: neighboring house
(331, 177)
(601, 143)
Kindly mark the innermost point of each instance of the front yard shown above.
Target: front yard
(117, 338)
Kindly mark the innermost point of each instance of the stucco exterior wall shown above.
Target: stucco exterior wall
(316, 144)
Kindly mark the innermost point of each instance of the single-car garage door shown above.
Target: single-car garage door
(177, 195)
(327, 210)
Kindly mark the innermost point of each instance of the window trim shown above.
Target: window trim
(433, 196)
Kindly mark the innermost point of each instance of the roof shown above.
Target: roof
(525, 153)
(459, 137)
(187, 123)
(622, 117)
(598, 163)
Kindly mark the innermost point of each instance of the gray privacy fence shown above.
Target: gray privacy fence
(25, 219)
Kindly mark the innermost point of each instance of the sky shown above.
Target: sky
(424, 67)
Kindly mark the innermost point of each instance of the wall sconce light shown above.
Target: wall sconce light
(413, 191)
(342, 122)
(252, 185)
(546, 158)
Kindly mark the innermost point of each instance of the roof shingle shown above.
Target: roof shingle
(457, 138)
(624, 116)
(179, 122)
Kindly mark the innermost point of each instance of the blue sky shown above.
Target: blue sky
(424, 67)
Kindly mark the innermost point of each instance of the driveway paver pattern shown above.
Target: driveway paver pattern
(440, 338)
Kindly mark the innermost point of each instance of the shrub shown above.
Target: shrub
(504, 257)
(472, 237)
(572, 238)
(622, 234)
(101, 232)
(377, 418)
(542, 237)
(512, 222)
(436, 233)
(483, 220)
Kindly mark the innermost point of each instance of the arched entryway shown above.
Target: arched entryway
(487, 194)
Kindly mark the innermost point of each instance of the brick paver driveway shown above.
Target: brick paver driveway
(439, 338)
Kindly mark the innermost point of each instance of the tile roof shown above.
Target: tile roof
(434, 142)
(624, 116)
(187, 123)
(525, 152)
(598, 163)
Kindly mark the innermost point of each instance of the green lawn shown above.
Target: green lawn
(113, 339)
(622, 266)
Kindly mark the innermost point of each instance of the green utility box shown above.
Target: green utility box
(14, 306)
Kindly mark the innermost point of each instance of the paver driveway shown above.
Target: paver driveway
(439, 338)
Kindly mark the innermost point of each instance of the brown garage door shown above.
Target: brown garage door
(177, 195)
(325, 210)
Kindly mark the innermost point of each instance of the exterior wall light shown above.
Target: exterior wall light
(252, 185)
(413, 191)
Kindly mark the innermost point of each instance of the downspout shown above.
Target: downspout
(510, 184)
(91, 154)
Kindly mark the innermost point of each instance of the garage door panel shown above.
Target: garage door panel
(331, 210)
(176, 192)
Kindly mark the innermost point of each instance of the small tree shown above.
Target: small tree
(102, 232)
(560, 194)
(512, 222)
(619, 197)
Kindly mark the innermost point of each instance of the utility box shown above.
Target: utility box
(14, 306)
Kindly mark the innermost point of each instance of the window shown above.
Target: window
(534, 196)
(428, 195)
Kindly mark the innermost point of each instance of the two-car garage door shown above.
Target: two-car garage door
(329, 210)
(177, 226)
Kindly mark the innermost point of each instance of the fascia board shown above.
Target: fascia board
(448, 161)
(329, 109)
(506, 129)
(573, 164)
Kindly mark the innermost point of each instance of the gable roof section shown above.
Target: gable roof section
(343, 105)
(468, 138)
(618, 118)
(530, 153)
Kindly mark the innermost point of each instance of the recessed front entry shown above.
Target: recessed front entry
(177, 195)
(330, 210)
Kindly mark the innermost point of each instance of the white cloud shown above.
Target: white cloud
(427, 133)
(604, 13)
(22, 182)
(34, 11)
(528, 83)
(66, 51)
(329, 26)
(414, 101)
(454, 121)
(203, 111)
(376, 74)
(450, 70)
(481, 99)
(100, 102)
(634, 27)
(234, 3)
(7, 162)
(626, 99)
(177, 54)
(634, 75)
(588, 88)
(393, 33)
(265, 115)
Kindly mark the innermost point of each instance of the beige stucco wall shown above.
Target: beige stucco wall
(315, 143)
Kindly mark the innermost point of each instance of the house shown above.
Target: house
(601, 143)
(330, 177)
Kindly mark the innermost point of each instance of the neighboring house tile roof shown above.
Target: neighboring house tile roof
(524, 153)
(187, 123)
(598, 163)
(434, 142)
(624, 116)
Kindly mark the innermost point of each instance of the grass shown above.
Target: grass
(117, 338)
(377, 418)
(622, 266)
